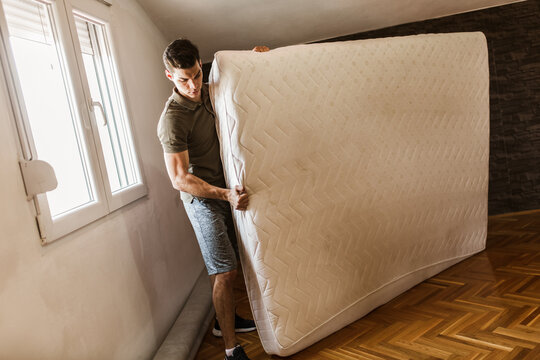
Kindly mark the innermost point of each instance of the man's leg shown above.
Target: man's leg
(223, 297)
(208, 218)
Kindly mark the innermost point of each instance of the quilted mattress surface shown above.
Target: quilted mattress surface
(367, 168)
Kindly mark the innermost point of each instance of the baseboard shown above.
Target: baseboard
(185, 336)
(517, 213)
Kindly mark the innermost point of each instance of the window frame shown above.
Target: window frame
(105, 201)
(99, 13)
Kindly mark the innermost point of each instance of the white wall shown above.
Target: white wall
(112, 289)
(241, 24)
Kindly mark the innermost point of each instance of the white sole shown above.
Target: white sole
(218, 333)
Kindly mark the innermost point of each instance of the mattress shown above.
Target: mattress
(367, 168)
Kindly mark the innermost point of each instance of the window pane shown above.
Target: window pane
(113, 127)
(49, 102)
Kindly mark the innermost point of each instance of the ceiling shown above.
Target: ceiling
(241, 24)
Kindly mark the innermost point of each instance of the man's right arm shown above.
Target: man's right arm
(177, 168)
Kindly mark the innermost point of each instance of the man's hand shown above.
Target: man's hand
(261, 49)
(238, 198)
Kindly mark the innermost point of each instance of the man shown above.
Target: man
(188, 135)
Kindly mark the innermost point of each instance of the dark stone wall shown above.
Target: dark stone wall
(513, 35)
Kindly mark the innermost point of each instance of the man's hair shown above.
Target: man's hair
(180, 54)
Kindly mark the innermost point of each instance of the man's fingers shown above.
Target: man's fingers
(241, 207)
(243, 202)
(261, 49)
(242, 198)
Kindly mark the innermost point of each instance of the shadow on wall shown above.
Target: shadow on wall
(160, 260)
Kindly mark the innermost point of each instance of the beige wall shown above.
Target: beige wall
(112, 289)
(241, 24)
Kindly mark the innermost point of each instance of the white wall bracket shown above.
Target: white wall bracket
(38, 177)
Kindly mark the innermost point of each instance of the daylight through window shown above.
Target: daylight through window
(73, 111)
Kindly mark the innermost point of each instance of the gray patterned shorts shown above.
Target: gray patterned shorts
(214, 228)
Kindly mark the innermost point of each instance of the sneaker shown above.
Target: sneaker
(238, 354)
(240, 326)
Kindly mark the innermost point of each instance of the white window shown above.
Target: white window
(70, 111)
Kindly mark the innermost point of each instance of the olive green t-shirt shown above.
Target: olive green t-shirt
(189, 125)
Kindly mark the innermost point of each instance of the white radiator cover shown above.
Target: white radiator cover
(367, 168)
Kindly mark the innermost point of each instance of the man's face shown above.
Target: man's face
(188, 82)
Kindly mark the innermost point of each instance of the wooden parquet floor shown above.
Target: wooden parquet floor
(486, 307)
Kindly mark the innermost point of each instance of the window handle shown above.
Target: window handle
(100, 106)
